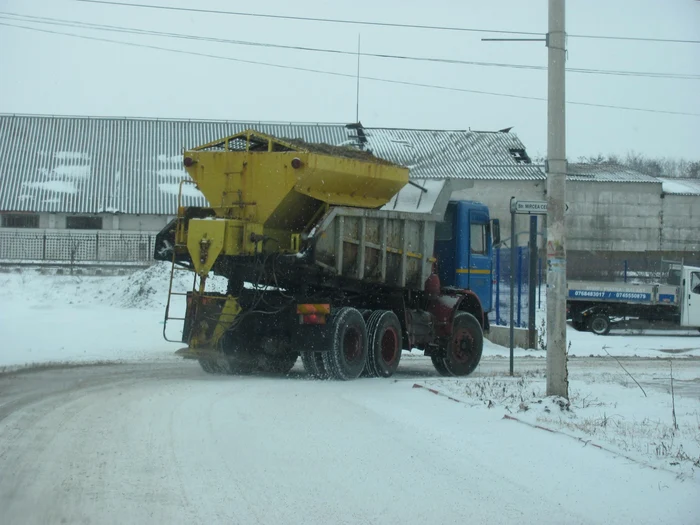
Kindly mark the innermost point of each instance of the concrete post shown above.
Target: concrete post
(557, 375)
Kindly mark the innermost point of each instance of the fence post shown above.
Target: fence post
(97, 246)
(498, 285)
(43, 247)
(520, 283)
(539, 284)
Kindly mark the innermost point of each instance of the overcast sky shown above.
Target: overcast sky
(56, 74)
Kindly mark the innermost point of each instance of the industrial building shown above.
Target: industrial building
(79, 188)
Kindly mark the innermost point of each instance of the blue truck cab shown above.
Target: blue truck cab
(464, 248)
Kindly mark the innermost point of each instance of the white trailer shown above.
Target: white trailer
(600, 306)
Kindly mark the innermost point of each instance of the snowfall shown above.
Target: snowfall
(417, 448)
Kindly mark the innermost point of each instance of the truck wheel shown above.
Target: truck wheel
(384, 349)
(463, 351)
(439, 364)
(600, 324)
(313, 364)
(345, 359)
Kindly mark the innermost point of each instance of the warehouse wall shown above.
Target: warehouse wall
(613, 216)
(680, 223)
(607, 224)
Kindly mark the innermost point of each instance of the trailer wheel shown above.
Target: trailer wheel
(346, 357)
(600, 324)
(439, 364)
(463, 351)
(385, 344)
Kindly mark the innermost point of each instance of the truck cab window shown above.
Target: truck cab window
(695, 282)
(443, 230)
(478, 238)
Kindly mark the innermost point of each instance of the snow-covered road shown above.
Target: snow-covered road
(165, 443)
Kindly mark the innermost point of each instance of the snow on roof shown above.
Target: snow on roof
(434, 154)
(608, 172)
(681, 186)
(89, 165)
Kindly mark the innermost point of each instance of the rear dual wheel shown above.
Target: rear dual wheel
(346, 357)
(385, 344)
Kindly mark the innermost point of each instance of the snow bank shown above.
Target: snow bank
(611, 412)
(87, 318)
(143, 289)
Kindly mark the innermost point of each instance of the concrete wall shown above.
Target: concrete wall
(110, 221)
(680, 228)
(613, 216)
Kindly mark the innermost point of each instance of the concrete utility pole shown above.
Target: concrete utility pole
(557, 374)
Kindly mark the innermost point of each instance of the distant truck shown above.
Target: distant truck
(600, 306)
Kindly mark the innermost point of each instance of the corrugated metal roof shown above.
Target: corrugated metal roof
(94, 165)
(607, 173)
(453, 154)
(681, 186)
(128, 165)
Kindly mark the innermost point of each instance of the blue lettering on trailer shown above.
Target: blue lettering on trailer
(601, 294)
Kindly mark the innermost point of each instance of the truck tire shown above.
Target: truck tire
(385, 344)
(346, 357)
(463, 351)
(313, 364)
(599, 324)
(439, 364)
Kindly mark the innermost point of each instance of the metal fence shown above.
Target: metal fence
(75, 247)
(500, 312)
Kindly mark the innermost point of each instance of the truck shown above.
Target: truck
(600, 306)
(330, 254)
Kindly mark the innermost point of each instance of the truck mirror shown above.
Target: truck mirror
(496, 232)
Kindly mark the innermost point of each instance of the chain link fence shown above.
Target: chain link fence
(76, 247)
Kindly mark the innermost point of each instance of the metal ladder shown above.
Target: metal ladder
(174, 267)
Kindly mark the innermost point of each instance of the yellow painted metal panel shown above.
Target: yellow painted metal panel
(284, 186)
(205, 240)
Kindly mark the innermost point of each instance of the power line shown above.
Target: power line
(383, 24)
(131, 30)
(344, 75)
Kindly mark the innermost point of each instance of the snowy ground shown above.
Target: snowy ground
(490, 442)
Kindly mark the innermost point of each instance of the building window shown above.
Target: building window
(478, 238)
(20, 220)
(79, 222)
